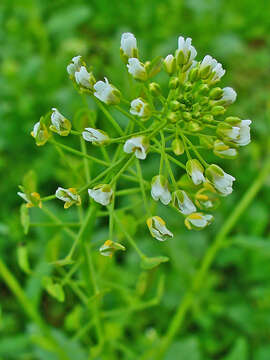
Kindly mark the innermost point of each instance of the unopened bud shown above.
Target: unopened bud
(203, 89)
(193, 75)
(174, 105)
(173, 117)
(174, 83)
(154, 88)
(218, 110)
(178, 146)
(186, 116)
(216, 93)
(187, 86)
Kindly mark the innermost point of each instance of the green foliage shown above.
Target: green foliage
(230, 317)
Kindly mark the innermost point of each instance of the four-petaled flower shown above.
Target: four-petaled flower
(106, 92)
(69, 196)
(157, 228)
(139, 145)
(219, 179)
(102, 194)
(95, 136)
(60, 124)
(140, 108)
(159, 189)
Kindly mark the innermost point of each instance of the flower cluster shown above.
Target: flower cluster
(179, 123)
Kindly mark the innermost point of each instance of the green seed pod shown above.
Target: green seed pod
(178, 146)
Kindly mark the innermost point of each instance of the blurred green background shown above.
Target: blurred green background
(231, 317)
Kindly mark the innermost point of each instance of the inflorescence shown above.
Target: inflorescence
(176, 123)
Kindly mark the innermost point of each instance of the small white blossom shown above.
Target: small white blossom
(157, 228)
(183, 203)
(31, 199)
(169, 64)
(159, 190)
(102, 194)
(84, 78)
(195, 171)
(109, 248)
(69, 196)
(229, 95)
(74, 65)
(129, 45)
(106, 92)
(60, 124)
(185, 47)
(140, 108)
(198, 221)
(224, 151)
(95, 136)
(138, 145)
(211, 64)
(137, 69)
(219, 179)
(40, 133)
(237, 132)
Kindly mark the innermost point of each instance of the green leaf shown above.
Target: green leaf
(239, 350)
(25, 218)
(23, 261)
(188, 348)
(148, 263)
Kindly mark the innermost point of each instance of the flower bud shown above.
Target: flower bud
(185, 52)
(69, 196)
(206, 199)
(169, 64)
(224, 151)
(194, 126)
(183, 203)
(154, 89)
(137, 69)
(110, 247)
(174, 83)
(193, 75)
(157, 228)
(203, 89)
(139, 145)
(195, 171)
(187, 86)
(174, 105)
(140, 108)
(217, 110)
(74, 66)
(159, 189)
(102, 194)
(128, 47)
(186, 116)
(221, 181)
(210, 68)
(173, 117)
(238, 134)
(60, 124)
(216, 93)
(178, 146)
(107, 93)
(198, 221)
(208, 118)
(95, 136)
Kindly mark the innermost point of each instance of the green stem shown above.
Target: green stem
(85, 162)
(139, 171)
(208, 259)
(109, 117)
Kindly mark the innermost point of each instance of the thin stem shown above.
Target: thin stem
(208, 259)
(85, 162)
(196, 152)
(109, 117)
(139, 171)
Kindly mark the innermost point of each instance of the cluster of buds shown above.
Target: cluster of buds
(178, 123)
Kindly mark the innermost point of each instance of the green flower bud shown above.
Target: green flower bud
(174, 83)
(187, 86)
(178, 146)
(173, 117)
(208, 118)
(169, 64)
(186, 116)
(218, 110)
(203, 100)
(193, 75)
(174, 105)
(203, 89)
(194, 126)
(216, 93)
(154, 88)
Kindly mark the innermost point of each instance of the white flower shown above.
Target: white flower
(140, 108)
(40, 133)
(138, 145)
(31, 199)
(169, 64)
(185, 47)
(159, 190)
(158, 228)
(109, 248)
(106, 92)
(95, 136)
(198, 221)
(229, 95)
(60, 124)
(183, 203)
(195, 171)
(69, 196)
(137, 69)
(129, 45)
(235, 131)
(219, 179)
(102, 194)
(84, 78)
(74, 65)
(209, 64)
(224, 151)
